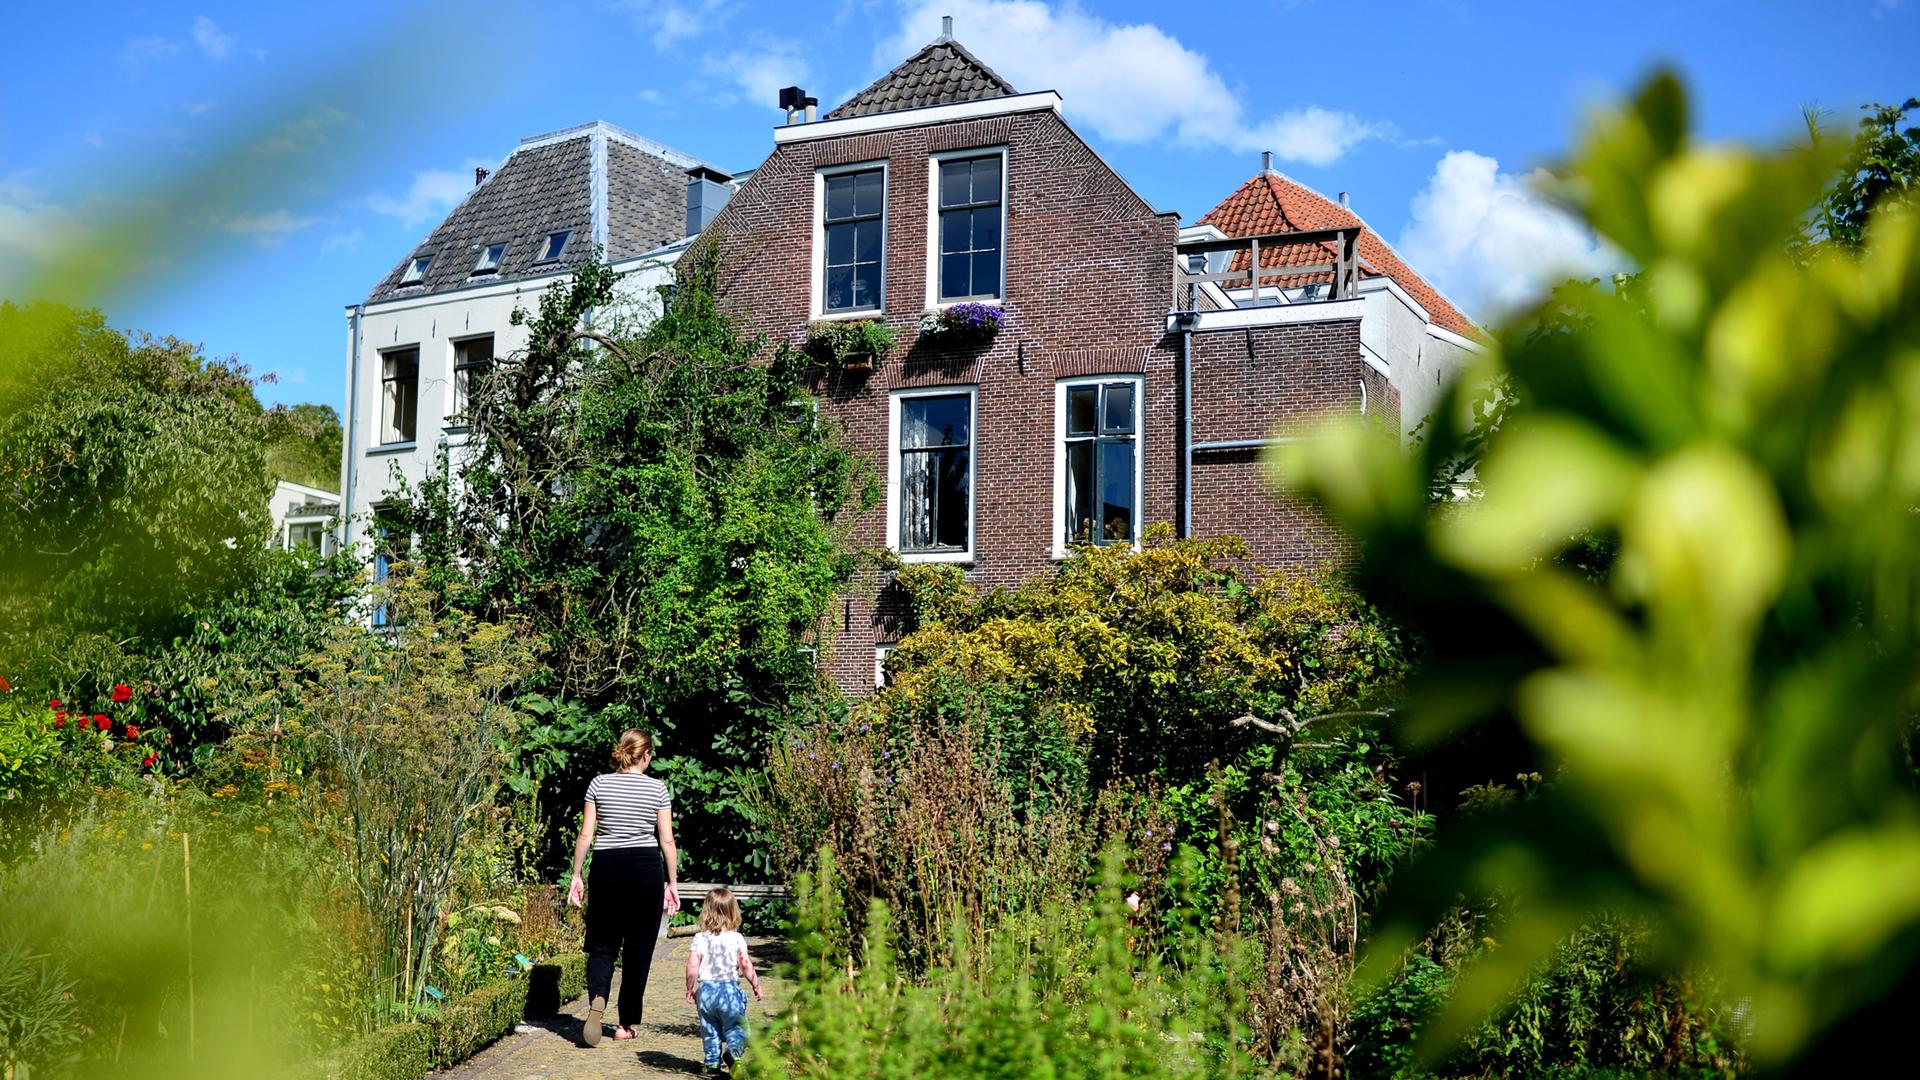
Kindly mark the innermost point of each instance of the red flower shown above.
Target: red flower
(133, 731)
(100, 721)
(147, 762)
(59, 719)
(54, 704)
(122, 693)
(5, 686)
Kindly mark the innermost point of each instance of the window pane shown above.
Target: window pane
(955, 231)
(950, 524)
(839, 288)
(954, 182)
(986, 228)
(986, 274)
(935, 421)
(916, 501)
(986, 179)
(839, 197)
(1116, 490)
(866, 241)
(867, 192)
(839, 245)
(1119, 411)
(1082, 402)
(953, 276)
(866, 285)
(1079, 491)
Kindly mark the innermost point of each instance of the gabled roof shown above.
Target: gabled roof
(1272, 203)
(601, 184)
(940, 74)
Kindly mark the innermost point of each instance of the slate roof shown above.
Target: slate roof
(544, 186)
(940, 74)
(1272, 203)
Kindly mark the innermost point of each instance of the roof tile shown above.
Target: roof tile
(940, 74)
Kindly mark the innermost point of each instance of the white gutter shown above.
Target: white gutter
(1044, 101)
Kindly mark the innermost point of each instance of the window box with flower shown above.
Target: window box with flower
(963, 324)
(849, 344)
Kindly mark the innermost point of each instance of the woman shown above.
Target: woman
(629, 824)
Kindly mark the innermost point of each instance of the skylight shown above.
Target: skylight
(489, 258)
(416, 269)
(556, 242)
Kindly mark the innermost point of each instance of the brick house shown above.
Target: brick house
(1140, 368)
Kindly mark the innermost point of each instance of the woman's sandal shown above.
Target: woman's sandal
(596, 1013)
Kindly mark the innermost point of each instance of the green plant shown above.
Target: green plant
(854, 344)
(1723, 720)
(467, 1024)
(401, 1051)
(39, 1021)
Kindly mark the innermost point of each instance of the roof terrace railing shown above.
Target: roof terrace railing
(1341, 263)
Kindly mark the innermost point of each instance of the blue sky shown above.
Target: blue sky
(265, 164)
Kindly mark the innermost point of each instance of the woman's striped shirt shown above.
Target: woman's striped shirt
(628, 808)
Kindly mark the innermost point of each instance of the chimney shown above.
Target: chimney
(946, 28)
(793, 100)
(707, 192)
(810, 103)
(1346, 201)
(479, 176)
(1266, 161)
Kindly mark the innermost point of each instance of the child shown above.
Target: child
(715, 966)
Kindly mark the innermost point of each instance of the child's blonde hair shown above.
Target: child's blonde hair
(720, 911)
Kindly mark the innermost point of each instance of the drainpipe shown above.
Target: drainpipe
(1183, 322)
(347, 445)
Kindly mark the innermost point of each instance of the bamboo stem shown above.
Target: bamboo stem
(186, 870)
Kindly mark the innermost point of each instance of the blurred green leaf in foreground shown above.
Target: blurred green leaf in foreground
(1726, 713)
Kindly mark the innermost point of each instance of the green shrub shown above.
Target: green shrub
(396, 1052)
(39, 1021)
(467, 1024)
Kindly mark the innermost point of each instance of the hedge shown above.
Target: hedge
(462, 1028)
(395, 1052)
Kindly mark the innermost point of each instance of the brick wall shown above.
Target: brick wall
(1088, 282)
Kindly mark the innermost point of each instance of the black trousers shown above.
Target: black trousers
(625, 890)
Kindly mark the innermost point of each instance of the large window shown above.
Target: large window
(853, 226)
(934, 473)
(1100, 455)
(970, 228)
(399, 395)
(470, 359)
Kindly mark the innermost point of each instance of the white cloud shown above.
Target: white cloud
(429, 196)
(1129, 82)
(143, 49)
(755, 74)
(199, 108)
(1491, 241)
(213, 41)
(267, 229)
(348, 241)
(669, 22)
(94, 140)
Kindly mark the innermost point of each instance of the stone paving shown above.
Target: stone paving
(669, 1036)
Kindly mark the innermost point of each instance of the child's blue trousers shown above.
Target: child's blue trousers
(723, 1018)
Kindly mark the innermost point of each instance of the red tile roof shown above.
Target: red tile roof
(1272, 203)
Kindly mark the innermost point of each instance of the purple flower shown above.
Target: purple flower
(886, 755)
(1149, 834)
(1166, 847)
(863, 729)
(836, 766)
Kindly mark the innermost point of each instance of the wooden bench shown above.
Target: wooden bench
(692, 893)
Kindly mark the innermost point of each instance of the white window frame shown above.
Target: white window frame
(882, 650)
(453, 420)
(934, 303)
(417, 267)
(1060, 389)
(893, 471)
(817, 304)
(483, 266)
(381, 396)
(543, 256)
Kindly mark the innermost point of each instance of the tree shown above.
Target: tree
(1882, 169)
(1724, 714)
(662, 506)
(303, 444)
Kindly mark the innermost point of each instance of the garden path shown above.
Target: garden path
(668, 1044)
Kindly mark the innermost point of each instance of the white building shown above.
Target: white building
(304, 517)
(444, 310)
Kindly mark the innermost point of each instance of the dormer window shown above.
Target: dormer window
(553, 245)
(416, 270)
(490, 259)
